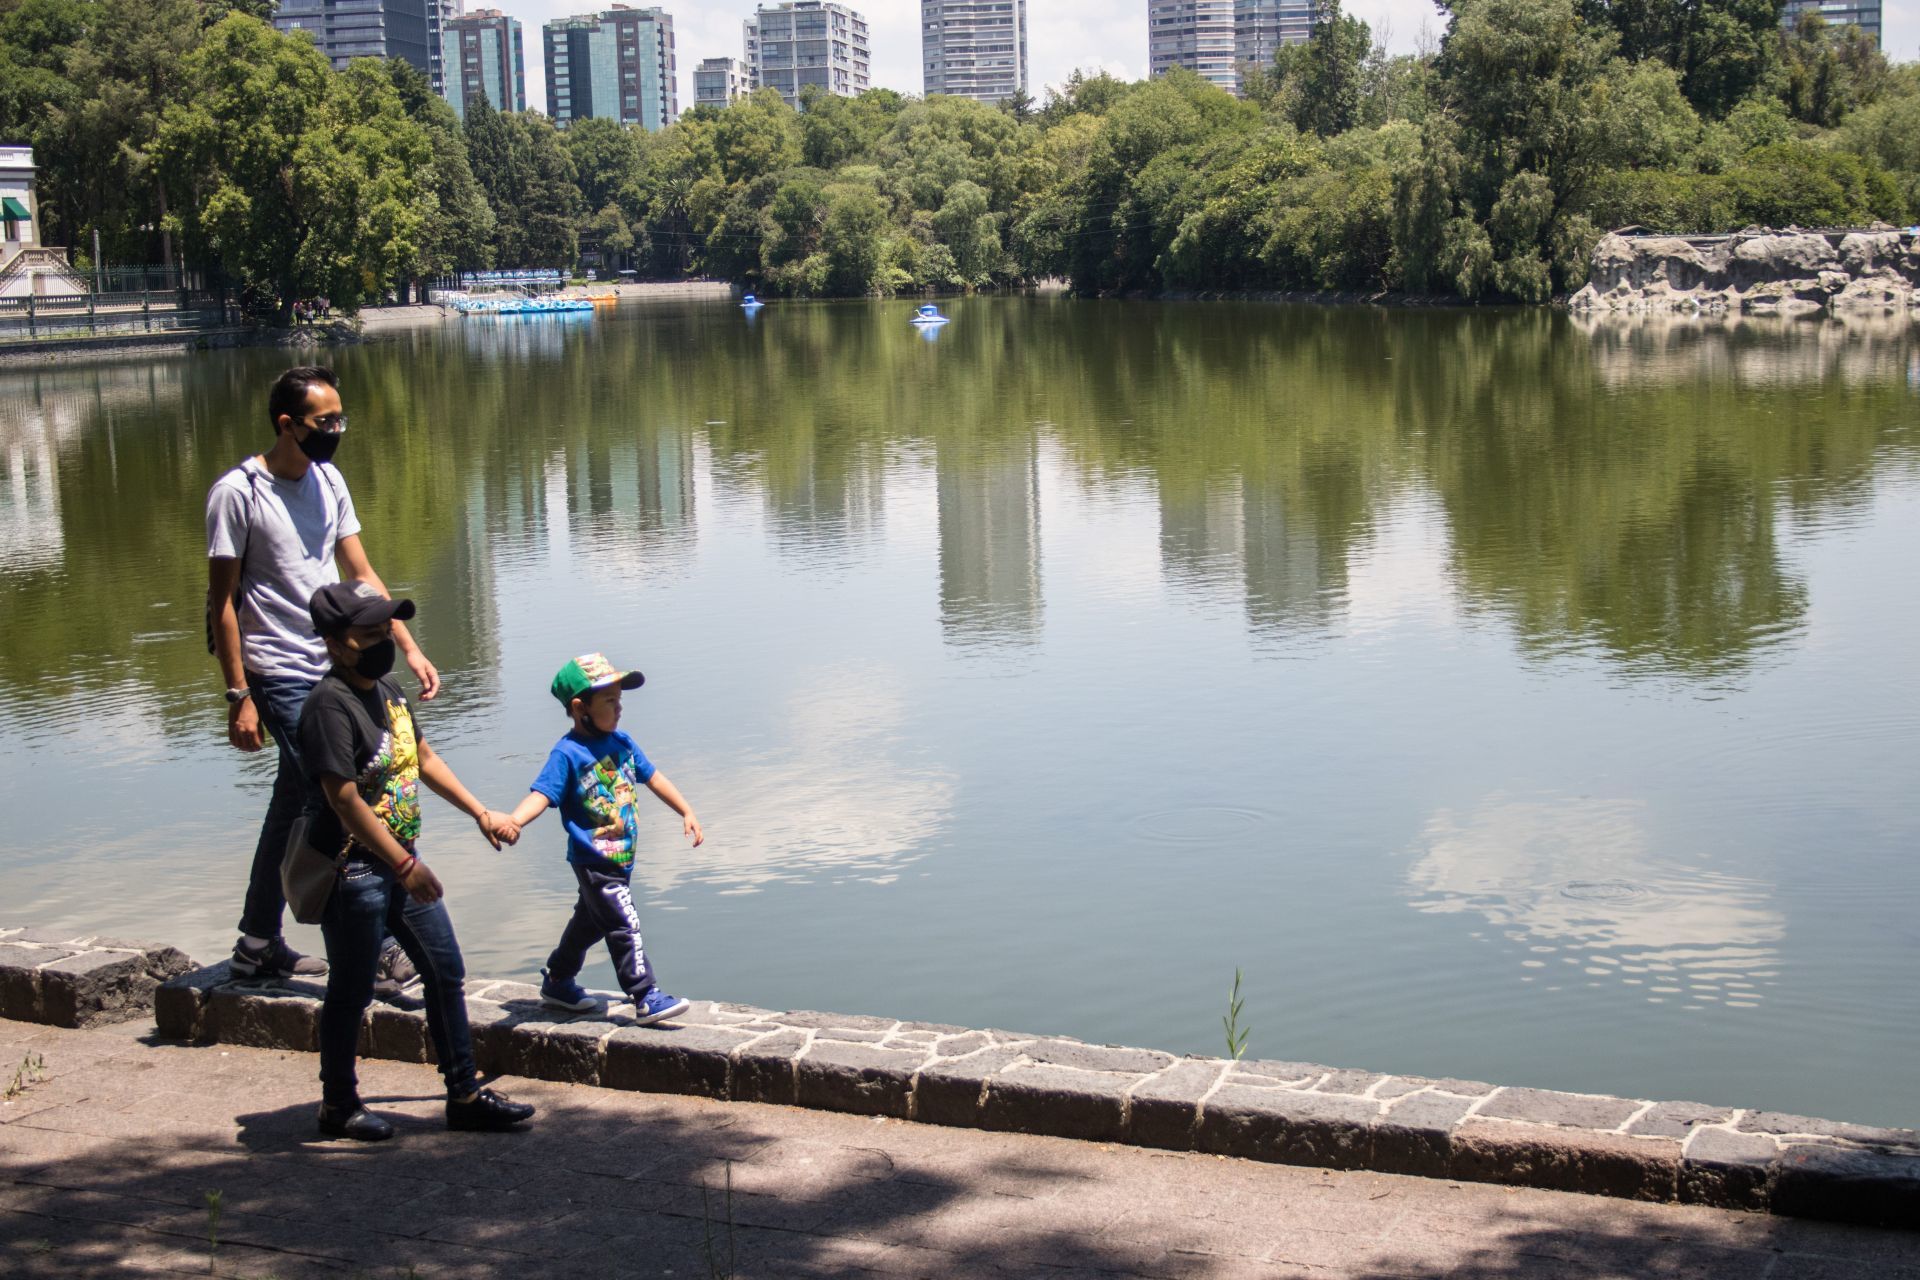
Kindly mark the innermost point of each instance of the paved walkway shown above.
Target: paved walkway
(106, 1159)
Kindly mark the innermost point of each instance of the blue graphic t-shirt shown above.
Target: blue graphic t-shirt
(595, 782)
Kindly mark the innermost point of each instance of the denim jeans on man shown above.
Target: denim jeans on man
(368, 903)
(278, 700)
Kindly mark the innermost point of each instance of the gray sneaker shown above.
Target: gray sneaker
(274, 960)
(395, 972)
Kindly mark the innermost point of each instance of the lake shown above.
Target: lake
(1503, 696)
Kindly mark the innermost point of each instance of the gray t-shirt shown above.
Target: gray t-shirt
(288, 530)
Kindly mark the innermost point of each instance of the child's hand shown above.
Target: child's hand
(690, 826)
(490, 823)
(508, 831)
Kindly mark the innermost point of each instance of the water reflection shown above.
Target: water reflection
(989, 502)
(1573, 886)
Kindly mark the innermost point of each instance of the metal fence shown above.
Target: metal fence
(128, 311)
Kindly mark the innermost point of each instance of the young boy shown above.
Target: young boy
(594, 774)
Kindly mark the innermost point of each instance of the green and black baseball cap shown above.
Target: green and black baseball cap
(588, 672)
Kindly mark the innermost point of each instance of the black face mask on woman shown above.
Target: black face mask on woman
(320, 445)
(375, 660)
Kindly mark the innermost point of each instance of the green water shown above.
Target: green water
(1506, 699)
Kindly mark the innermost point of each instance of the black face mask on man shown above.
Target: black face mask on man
(375, 660)
(320, 446)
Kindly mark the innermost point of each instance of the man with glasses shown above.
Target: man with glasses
(280, 526)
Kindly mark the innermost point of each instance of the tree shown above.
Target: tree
(300, 182)
(1723, 50)
(1320, 81)
(458, 235)
(1829, 71)
(970, 232)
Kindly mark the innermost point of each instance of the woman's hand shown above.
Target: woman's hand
(498, 828)
(421, 884)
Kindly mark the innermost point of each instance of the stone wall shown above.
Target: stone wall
(80, 980)
(1755, 272)
(1283, 1112)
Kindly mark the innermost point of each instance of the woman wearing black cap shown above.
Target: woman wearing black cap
(359, 741)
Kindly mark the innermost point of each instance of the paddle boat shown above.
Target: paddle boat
(751, 303)
(929, 315)
(521, 306)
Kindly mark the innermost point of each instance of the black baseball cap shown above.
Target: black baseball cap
(340, 605)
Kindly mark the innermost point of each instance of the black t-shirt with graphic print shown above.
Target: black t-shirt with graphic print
(371, 737)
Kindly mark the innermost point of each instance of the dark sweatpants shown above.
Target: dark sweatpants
(604, 909)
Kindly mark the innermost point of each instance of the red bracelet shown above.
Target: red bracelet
(406, 868)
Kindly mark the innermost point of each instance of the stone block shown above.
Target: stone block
(955, 1046)
(952, 1091)
(49, 938)
(264, 1019)
(1844, 1184)
(692, 1059)
(1415, 1136)
(1262, 1071)
(866, 1081)
(1726, 1169)
(1164, 1110)
(1677, 1119)
(179, 1004)
(1061, 1101)
(496, 1051)
(763, 1068)
(1093, 1057)
(95, 987)
(1554, 1158)
(1353, 1083)
(1288, 1126)
(1782, 1125)
(565, 1051)
(1570, 1110)
(396, 1034)
(19, 985)
(810, 1020)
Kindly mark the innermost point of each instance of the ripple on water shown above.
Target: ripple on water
(1202, 823)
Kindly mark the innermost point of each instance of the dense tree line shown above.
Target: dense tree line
(1485, 167)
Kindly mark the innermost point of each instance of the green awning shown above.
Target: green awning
(14, 209)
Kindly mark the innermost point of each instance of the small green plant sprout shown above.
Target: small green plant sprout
(1236, 1033)
(32, 1069)
(213, 1226)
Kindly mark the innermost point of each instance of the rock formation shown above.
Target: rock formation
(1755, 272)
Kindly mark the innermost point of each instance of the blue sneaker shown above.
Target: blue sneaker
(657, 1006)
(565, 993)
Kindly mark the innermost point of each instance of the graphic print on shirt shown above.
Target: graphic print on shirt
(390, 784)
(609, 792)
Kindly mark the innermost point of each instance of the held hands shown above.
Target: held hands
(498, 828)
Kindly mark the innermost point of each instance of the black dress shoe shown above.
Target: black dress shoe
(354, 1122)
(487, 1110)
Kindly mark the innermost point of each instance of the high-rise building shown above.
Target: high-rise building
(482, 55)
(750, 50)
(618, 65)
(1260, 27)
(719, 81)
(805, 42)
(974, 48)
(346, 29)
(1864, 14)
(1196, 34)
(439, 14)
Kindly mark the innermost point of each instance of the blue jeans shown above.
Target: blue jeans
(367, 905)
(278, 700)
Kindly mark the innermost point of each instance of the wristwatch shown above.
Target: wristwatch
(237, 696)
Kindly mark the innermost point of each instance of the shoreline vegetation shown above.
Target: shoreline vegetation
(1483, 168)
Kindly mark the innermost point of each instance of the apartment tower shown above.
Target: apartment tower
(974, 48)
(617, 65)
(483, 55)
(808, 42)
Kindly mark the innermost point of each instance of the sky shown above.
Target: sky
(1062, 35)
